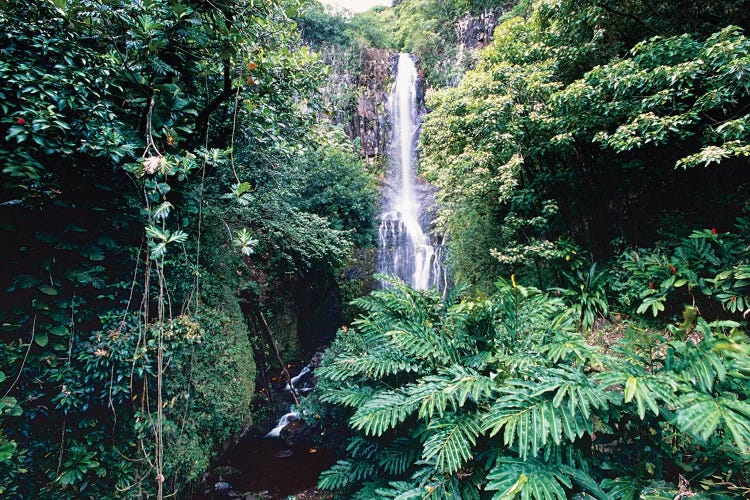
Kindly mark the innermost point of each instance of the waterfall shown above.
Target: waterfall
(295, 380)
(404, 248)
(283, 422)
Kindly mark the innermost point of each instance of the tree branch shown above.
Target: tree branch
(201, 122)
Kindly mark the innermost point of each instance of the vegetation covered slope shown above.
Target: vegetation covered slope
(164, 182)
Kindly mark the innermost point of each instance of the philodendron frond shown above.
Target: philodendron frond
(502, 397)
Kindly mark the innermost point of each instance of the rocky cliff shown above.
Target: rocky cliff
(475, 32)
(374, 84)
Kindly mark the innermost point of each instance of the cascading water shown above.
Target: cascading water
(404, 248)
(283, 422)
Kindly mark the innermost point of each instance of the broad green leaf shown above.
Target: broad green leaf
(41, 338)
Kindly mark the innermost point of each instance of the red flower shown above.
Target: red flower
(672, 269)
(651, 285)
(733, 299)
(21, 121)
(713, 230)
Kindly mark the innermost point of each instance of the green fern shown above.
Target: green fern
(503, 394)
(701, 415)
(529, 479)
(352, 396)
(372, 366)
(384, 411)
(396, 458)
(450, 441)
(645, 389)
(344, 473)
(422, 342)
(453, 387)
(530, 413)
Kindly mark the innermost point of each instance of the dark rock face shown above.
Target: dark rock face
(368, 122)
(475, 32)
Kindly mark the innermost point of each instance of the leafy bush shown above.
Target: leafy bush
(708, 269)
(503, 395)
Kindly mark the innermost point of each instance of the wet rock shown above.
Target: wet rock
(317, 360)
(222, 486)
(297, 433)
(476, 31)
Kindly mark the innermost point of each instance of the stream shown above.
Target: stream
(273, 465)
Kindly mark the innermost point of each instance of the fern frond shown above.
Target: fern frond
(428, 393)
(384, 411)
(559, 403)
(372, 366)
(569, 346)
(479, 360)
(369, 491)
(660, 490)
(402, 490)
(468, 384)
(699, 364)
(644, 388)
(344, 473)
(451, 441)
(528, 419)
(353, 397)
(531, 479)
(362, 449)
(397, 457)
(575, 390)
(701, 415)
(621, 488)
(421, 341)
(517, 364)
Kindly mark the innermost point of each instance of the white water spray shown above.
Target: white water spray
(295, 380)
(283, 422)
(405, 250)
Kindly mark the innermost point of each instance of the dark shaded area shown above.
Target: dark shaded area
(268, 466)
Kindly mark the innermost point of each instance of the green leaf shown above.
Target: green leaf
(7, 450)
(48, 290)
(531, 478)
(702, 414)
(450, 441)
(41, 338)
(384, 411)
(58, 330)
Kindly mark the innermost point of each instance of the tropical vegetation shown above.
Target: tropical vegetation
(186, 204)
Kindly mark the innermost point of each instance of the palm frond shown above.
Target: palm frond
(344, 473)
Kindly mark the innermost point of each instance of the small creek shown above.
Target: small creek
(273, 461)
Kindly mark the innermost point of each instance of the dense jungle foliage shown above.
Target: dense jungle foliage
(179, 207)
(166, 185)
(598, 150)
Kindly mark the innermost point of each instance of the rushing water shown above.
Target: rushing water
(405, 250)
(285, 461)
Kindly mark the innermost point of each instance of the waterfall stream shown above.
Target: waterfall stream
(405, 250)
